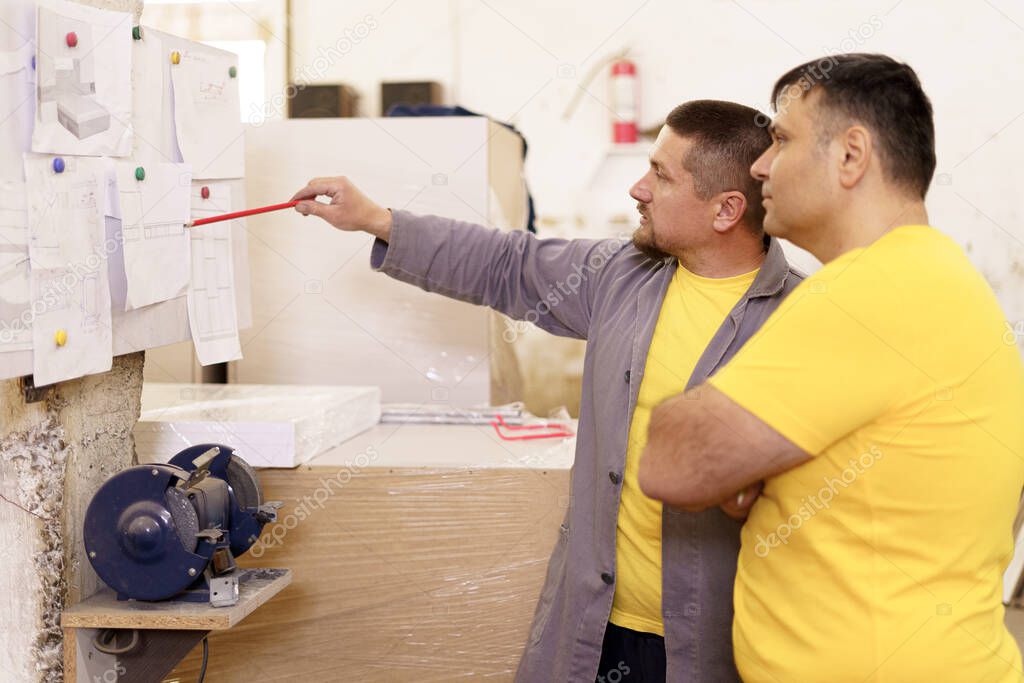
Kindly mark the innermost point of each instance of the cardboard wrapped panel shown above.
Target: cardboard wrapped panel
(399, 574)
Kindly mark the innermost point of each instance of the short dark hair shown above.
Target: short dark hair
(728, 139)
(885, 96)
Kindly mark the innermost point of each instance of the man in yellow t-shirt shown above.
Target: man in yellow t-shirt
(692, 311)
(882, 403)
(659, 313)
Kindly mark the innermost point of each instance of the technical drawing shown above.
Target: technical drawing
(154, 211)
(133, 204)
(67, 75)
(212, 285)
(68, 285)
(212, 310)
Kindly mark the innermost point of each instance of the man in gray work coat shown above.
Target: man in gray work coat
(700, 218)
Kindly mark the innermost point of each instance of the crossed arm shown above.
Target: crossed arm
(702, 448)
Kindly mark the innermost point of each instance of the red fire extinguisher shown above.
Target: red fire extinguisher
(624, 101)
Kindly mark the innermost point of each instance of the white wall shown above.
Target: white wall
(503, 58)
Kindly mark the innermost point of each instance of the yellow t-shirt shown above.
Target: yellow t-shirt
(693, 310)
(881, 559)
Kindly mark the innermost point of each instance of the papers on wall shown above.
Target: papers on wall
(70, 295)
(153, 214)
(17, 24)
(139, 328)
(83, 67)
(116, 277)
(152, 102)
(206, 111)
(15, 307)
(211, 296)
(90, 244)
(17, 85)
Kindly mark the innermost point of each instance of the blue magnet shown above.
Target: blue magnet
(33, 62)
(58, 165)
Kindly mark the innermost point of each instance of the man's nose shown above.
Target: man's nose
(759, 169)
(640, 193)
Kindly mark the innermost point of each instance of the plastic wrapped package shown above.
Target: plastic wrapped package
(270, 425)
(418, 553)
(361, 327)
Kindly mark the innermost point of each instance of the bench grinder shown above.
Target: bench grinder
(155, 532)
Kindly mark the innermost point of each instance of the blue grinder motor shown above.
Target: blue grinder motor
(154, 532)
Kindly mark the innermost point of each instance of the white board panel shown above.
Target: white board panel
(320, 314)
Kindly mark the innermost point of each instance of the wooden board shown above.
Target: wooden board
(400, 574)
(104, 610)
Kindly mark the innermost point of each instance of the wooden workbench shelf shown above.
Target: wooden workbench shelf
(167, 631)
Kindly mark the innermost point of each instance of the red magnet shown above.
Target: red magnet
(205, 192)
(72, 39)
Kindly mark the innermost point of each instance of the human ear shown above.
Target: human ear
(855, 146)
(729, 210)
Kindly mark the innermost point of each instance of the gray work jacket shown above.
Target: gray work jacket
(607, 292)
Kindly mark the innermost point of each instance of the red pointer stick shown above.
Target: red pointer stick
(242, 214)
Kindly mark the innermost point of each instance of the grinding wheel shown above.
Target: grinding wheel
(243, 481)
(186, 521)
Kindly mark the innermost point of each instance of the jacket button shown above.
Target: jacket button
(627, 376)
(608, 578)
(615, 477)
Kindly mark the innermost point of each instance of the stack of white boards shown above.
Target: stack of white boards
(268, 425)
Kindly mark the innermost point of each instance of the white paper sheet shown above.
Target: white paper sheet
(206, 111)
(17, 23)
(116, 277)
(141, 328)
(17, 109)
(153, 103)
(68, 262)
(212, 313)
(15, 306)
(153, 214)
(84, 102)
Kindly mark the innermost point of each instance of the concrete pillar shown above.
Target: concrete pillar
(54, 455)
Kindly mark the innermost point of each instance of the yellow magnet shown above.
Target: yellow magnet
(175, 57)
(61, 337)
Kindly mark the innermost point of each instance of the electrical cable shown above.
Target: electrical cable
(206, 656)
